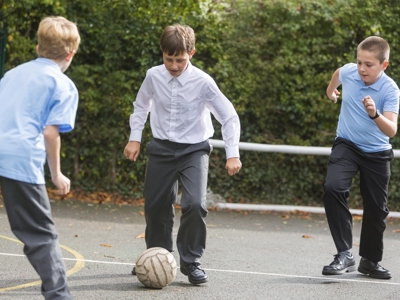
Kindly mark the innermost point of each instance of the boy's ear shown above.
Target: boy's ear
(70, 55)
(192, 53)
(385, 65)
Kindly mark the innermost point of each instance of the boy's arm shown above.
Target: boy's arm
(138, 118)
(386, 122)
(226, 115)
(53, 144)
(141, 108)
(331, 90)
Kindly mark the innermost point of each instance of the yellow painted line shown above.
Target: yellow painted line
(10, 239)
(80, 260)
(80, 263)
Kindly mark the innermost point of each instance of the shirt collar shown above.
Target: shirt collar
(47, 61)
(376, 85)
(183, 78)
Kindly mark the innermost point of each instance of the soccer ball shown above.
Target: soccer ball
(156, 268)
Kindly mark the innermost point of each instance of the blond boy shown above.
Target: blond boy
(37, 102)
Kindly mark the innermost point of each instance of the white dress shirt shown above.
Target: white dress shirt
(180, 109)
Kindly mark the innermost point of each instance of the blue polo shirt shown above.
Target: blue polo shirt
(354, 123)
(32, 95)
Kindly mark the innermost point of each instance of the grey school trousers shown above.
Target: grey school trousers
(345, 161)
(168, 162)
(29, 214)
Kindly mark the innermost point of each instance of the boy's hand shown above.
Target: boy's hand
(62, 183)
(369, 105)
(132, 150)
(233, 165)
(334, 96)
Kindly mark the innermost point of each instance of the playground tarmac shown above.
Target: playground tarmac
(249, 255)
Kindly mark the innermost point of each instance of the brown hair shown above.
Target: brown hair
(177, 39)
(376, 45)
(57, 37)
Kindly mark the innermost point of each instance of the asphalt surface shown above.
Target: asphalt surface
(249, 255)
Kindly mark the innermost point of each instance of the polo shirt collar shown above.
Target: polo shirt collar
(48, 62)
(376, 85)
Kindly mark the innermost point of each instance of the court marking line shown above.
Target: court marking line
(77, 259)
(80, 263)
(323, 278)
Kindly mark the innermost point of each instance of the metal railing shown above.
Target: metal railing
(305, 150)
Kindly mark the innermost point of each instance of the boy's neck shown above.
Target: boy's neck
(377, 78)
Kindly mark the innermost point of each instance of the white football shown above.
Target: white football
(156, 268)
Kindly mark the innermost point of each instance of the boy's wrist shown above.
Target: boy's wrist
(377, 114)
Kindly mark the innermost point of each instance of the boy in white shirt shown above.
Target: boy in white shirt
(179, 98)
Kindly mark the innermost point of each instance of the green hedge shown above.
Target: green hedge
(273, 59)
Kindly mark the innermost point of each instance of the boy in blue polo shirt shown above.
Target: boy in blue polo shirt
(37, 101)
(367, 120)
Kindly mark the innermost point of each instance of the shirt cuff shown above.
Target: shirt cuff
(135, 136)
(232, 152)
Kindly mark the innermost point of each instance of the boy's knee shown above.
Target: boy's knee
(195, 209)
(332, 190)
(329, 188)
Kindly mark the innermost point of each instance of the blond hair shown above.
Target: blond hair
(177, 39)
(378, 46)
(57, 37)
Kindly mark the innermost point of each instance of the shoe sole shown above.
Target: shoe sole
(366, 272)
(184, 272)
(346, 270)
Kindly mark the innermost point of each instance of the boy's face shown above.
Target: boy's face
(369, 66)
(176, 64)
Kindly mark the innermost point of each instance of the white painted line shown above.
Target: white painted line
(102, 262)
(324, 278)
(74, 259)
(10, 254)
(334, 277)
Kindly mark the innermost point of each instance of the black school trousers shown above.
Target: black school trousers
(168, 162)
(29, 213)
(345, 161)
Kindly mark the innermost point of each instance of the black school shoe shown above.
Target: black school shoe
(341, 264)
(195, 273)
(373, 269)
